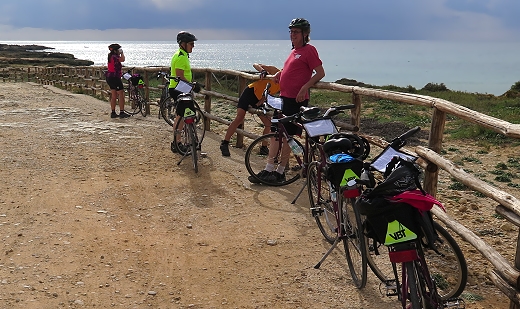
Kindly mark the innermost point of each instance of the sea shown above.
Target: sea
(474, 67)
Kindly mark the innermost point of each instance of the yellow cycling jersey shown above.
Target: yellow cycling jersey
(180, 60)
(259, 87)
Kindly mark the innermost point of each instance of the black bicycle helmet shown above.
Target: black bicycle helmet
(300, 23)
(185, 37)
(114, 46)
(337, 145)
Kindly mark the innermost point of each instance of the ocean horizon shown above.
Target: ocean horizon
(475, 67)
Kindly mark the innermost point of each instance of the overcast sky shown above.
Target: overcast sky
(267, 20)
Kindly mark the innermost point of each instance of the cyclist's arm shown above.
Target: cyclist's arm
(180, 73)
(320, 73)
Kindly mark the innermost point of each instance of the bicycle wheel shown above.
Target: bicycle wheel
(194, 143)
(353, 240)
(141, 101)
(256, 159)
(448, 269)
(411, 287)
(321, 205)
(181, 138)
(133, 98)
(167, 110)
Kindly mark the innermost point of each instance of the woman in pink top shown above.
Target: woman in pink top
(302, 69)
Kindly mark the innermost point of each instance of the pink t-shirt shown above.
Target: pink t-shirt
(297, 70)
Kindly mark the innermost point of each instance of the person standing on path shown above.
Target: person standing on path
(113, 78)
(180, 67)
(302, 69)
(252, 96)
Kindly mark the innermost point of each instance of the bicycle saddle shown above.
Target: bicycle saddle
(359, 146)
(310, 112)
(337, 145)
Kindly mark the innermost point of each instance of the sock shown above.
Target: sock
(269, 167)
(224, 142)
(281, 169)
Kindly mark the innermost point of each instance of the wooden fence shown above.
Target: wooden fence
(505, 276)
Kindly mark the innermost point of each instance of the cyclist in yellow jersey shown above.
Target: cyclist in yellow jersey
(252, 96)
(180, 64)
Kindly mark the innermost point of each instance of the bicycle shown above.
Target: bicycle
(136, 94)
(332, 192)
(167, 104)
(432, 267)
(190, 125)
(316, 127)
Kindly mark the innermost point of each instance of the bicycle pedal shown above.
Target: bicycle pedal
(316, 211)
(391, 287)
(203, 154)
(454, 303)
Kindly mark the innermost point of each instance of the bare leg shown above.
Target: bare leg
(121, 97)
(241, 114)
(113, 99)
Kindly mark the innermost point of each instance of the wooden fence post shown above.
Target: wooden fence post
(146, 92)
(207, 98)
(242, 84)
(431, 173)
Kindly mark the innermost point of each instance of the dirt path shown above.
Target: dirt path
(95, 213)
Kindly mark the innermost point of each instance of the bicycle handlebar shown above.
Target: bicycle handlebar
(400, 141)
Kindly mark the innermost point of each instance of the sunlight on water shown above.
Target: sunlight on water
(464, 66)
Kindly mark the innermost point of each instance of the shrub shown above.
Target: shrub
(435, 87)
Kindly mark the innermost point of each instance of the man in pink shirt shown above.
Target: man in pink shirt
(302, 69)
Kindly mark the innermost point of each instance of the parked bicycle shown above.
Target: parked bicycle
(136, 93)
(415, 258)
(190, 124)
(276, 146)
(167, 104)
(332, 191)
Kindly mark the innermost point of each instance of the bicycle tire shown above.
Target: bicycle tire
(181, 135)
(353, 241)
(321, 205)
(167, 110)
(255, 161)
(194, 143)
(411, 287)
(450, 271)
(133, 98)
(142, 102)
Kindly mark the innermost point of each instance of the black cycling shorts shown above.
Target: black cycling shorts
(115, 83)
(247, 98)
(291, 107)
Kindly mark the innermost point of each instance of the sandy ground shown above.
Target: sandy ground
(96, 213)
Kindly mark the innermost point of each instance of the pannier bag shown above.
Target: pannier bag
(137, 80)
(185, 105)
(343, 174)
(398, 210)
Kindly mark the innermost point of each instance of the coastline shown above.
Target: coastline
(28, 55)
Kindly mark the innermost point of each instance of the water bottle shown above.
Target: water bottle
(296, 149)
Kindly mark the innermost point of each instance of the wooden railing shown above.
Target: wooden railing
(505, 276)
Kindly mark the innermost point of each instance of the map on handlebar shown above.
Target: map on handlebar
(320, 127)
(380, 162)
(183, 86)
(274, 102)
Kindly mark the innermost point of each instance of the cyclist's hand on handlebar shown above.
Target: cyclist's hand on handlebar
(263, 74)
(196, 87)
